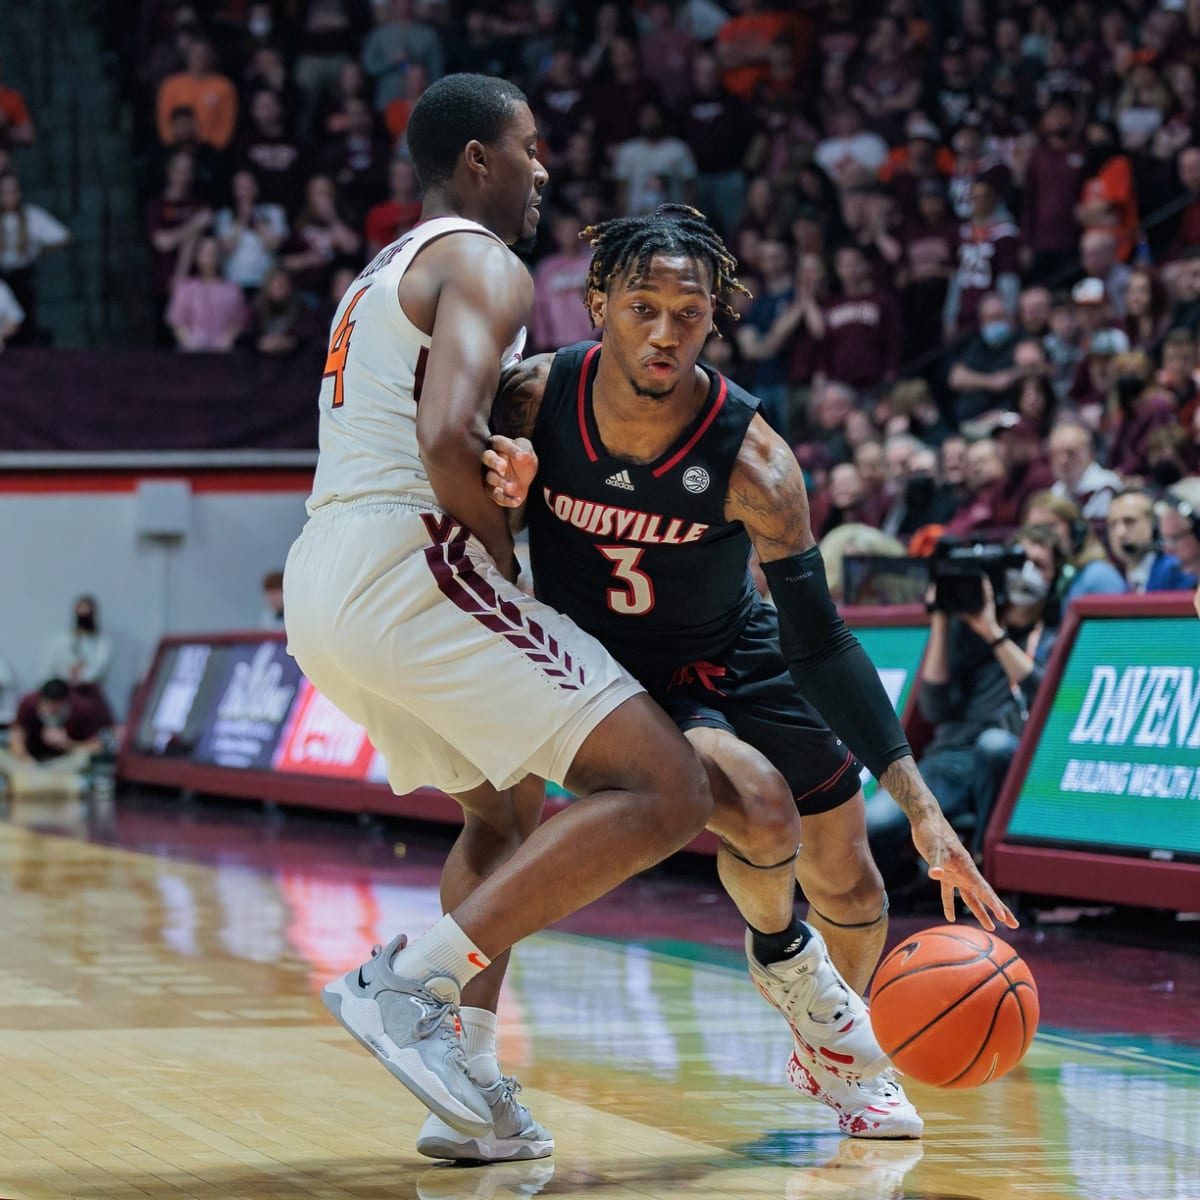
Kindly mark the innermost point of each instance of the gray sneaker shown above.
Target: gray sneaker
(515, 1135)
(411, 1026)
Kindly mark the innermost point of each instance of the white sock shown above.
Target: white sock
(442, 950)
(479, 1044)
(479, 1031)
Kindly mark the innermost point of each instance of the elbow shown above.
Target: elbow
(445, 448)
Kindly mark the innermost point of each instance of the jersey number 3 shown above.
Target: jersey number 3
(339, 348)
(636, 595)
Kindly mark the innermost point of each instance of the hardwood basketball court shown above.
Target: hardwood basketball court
(161, 1036)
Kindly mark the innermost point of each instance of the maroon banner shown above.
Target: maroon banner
(140, 399)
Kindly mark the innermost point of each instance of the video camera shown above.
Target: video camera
(958, 572)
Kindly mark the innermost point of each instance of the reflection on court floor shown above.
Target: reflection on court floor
(160, 1037)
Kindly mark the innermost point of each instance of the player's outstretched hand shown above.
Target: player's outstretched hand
(511, 467)
(954, 870)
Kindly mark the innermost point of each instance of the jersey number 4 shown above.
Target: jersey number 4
(636, 594)
(339, 347)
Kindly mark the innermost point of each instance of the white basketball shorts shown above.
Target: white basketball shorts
(404, 622)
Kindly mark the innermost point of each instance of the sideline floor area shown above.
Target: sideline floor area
(161, 1036)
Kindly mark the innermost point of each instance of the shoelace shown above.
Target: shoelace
(829, 1005)
(441, 1017)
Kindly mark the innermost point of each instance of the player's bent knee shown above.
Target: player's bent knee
(758, 817)
(845, 886)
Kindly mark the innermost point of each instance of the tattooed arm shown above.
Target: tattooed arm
(767, 495)
(509, 459)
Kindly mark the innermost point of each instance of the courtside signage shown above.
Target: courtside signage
(1117, 763)
(896, 651)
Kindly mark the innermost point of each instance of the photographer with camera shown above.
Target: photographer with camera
(993, 620)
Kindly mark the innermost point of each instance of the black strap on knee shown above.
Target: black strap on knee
(856, 925)
(786, 862)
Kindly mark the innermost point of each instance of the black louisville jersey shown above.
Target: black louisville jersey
(640, 555)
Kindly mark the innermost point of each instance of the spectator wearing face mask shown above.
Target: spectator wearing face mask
(1133, 539)
(984, 376)
(1136, 407)
(1088, 571)
(82, 655)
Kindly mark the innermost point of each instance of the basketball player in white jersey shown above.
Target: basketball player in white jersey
(402, 609)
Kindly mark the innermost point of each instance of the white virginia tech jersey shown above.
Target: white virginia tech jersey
(373, 377)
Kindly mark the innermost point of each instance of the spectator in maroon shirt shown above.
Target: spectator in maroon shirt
(53, 724)
(841, 502)
(989, 260)
(1026, 468)
(952, 93)
(873, 474)
(558, 100)
(983, 481)
(930, 247)
(357, 160)
(886, 85)
(1187, 167)
(922, 160)
(1095, 374)
(271, 154)
(615, 98)
(1147, 309)
(1034, 307)
(667, 52)
(863, 326)
(803, 325)
(173, 219)
(717, 126)
(397, 214)
(974, 160)
(1136, 407)
(1053, 178)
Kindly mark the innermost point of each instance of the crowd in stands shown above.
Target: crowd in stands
(971, 230)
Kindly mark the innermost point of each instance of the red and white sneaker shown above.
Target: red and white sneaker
(866, 1108)
(829, 1021)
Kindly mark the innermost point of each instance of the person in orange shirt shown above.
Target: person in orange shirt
(1108, 199)
(16, 128)
(744, 44)
(206, 91)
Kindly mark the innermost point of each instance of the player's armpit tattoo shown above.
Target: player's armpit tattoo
(519, 398)
(767, 494)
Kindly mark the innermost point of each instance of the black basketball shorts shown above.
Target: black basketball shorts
(751, 694)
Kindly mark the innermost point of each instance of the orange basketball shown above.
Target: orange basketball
(954, 1006)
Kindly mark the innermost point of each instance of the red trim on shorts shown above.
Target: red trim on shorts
(821, 787)
(718, 403)
(459, 582)
(582, 404)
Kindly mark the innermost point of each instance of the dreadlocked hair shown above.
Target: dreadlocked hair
(629, 243)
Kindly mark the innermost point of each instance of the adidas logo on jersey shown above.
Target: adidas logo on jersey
(620, 480)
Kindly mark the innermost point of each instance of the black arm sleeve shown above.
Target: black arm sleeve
(829, 665)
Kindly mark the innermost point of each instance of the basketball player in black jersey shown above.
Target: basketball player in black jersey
(656, 477)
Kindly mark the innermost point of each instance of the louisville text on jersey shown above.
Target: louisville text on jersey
(627, 524)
